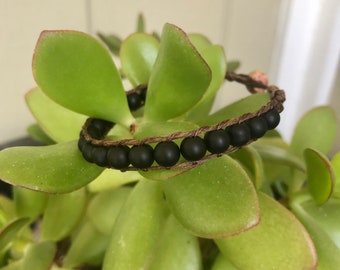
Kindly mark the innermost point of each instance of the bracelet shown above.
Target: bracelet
(196, 147)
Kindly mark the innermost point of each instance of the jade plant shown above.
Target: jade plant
(78, 203)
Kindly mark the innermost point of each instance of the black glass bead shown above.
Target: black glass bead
(87, 152)
(193, 148)
(272, 118)
(134, 101)
(258, 127)
(217, 141)
(141, 156)
(99, 155)
(81, 142)
(118, 156)
(98, 128)
(239, 134)
(166, 153)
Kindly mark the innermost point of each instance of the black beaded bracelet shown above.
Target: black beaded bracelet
(222, 138)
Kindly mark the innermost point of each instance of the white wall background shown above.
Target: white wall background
(259, 33)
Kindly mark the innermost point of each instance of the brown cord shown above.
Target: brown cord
(277, 97)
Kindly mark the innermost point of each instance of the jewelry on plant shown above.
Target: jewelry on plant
(222, 138)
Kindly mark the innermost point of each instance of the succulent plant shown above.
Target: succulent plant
(269, 205)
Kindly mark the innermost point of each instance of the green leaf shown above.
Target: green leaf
(7, 210)
(29, 203)
(62, 214)
(200, 41)
(11, 230)
(179, 78)
(110, 179)
(8, 207)
(222, 263)
(156, 35)
(119, 132)
(54, 169)
(37, 134)
(88, 246)
(252, 162)
(327, 216)
(233, 65)
(320, 176)
(140, 23)
(162, 174)
(280, 242)
(57, 122)
(3, 221)
(278, 162)
(336, 169)
(15, 265)
(202, 112)
(40, 255)
(145, 130)
(272, 138)
(177, 249)
(109, 203)
(236, 109)
(113, 42)
(77, 72)
(213, 200)
(316, 129)
(215, 58)
(322, 223)
(279, 156)
(137, 228)
(138, 54)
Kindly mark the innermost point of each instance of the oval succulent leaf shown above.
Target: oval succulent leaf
(316, 129)
(77, 72)
(29, 203)
(178, 79)
(213, 207)
(40, 255)
(327, 216)
(336, 169)
(252, 162)
(177, 249)
(279, 155)
(113, 42)
(112, 200)
(7, 208)
(322, 223)
(215, 58)
(136, 231)
(320, 176)
(62, 214)
(57, 122)
(111, 179)
(88, 247)
(201, 42)
(245, 105)
(145, 130)
(233, 65)
(280, 239)
(54, 169)
(138, 54)
(3, 218)
(11, 230)
(222, 263)
(37, 134)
